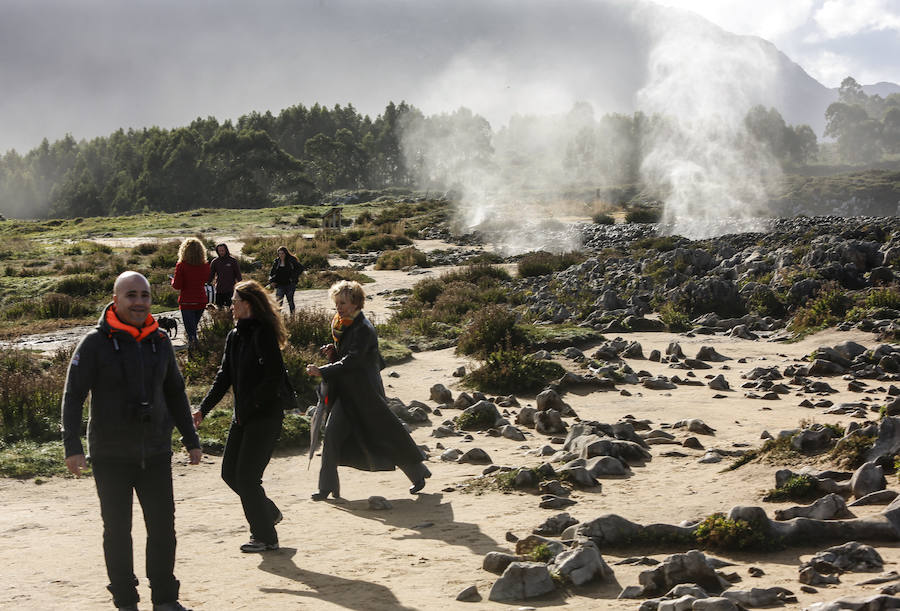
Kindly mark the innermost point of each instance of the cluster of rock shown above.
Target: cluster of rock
(764, 275)
(580, 453)
(690, 580)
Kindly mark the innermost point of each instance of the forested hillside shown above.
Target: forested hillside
(304, 153)
(259, 161)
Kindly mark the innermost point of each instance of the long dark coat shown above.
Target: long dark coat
(379, 442)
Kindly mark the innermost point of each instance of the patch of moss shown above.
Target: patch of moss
(797, 488)
(719, 532)
(850, 452)
(541, 553)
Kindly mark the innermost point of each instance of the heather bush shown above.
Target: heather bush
(428, 290)
(81, 285)
(719, 532)
(643, 215)
(675, 318)
(510, 370)
(488, 328)
(883, 298)
(57, 305)
(541, 263)
(399, 259)
(826, 309)
(30, 395)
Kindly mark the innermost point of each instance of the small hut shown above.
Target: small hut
(331, 220)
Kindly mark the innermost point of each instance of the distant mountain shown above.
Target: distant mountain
(883, 89)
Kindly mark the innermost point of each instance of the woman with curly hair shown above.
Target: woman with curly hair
(191, 274)
(253, 368)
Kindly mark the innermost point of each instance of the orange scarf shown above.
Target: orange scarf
(338, 325)
(150, 325)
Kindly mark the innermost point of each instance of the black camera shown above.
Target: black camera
(145, 412)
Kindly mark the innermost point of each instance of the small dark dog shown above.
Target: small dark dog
(169, 324)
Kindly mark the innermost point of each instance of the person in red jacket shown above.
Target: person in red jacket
(191, 274)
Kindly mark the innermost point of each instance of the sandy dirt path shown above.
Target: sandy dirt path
(426, 549)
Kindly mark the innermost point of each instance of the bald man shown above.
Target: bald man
(128, 365)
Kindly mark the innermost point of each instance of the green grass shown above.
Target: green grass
(797, 488)
(27, 459)
(721, 533)
(851, 451)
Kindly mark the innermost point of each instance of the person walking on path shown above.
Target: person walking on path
(361, 430)
(224, 273)
(253, 368)
(284, 276)
(128, 366)
(191, 274)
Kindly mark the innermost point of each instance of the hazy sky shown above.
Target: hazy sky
(830, 39)
(92, 66)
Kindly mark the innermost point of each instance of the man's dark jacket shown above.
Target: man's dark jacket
(253, 367)
(122, 374)
(226, 271)
(379, 441)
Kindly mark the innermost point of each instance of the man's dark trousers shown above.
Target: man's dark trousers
(248, 450)
(116, 478)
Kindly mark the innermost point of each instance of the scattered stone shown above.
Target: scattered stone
(867, 479)
(555, 525)
(719, 383)
(379, 503)
(581, 565)
(497, 562)
(549, 501)
(469, 595)
(451, 455)
(829, 507)
(475, 456)
(440, 394)
(880, 497)
(692, 443)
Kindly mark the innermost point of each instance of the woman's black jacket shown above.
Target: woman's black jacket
(287, 274)
(253, 368)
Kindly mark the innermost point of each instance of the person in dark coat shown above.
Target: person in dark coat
(284, 276)
(253, 368)
(224, 273)
(128, 367)
(361, 430)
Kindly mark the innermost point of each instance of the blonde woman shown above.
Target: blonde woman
(191, 274)
(361, 431)
(253, 368)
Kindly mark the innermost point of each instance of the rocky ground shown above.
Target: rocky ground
(612, 468)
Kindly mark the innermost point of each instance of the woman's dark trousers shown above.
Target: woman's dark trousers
(337, 430)
(116, 478)
(247, 452)
(286, 291)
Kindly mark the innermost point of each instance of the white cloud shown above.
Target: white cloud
(830, 68)
(839, 18)
(770, 19)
